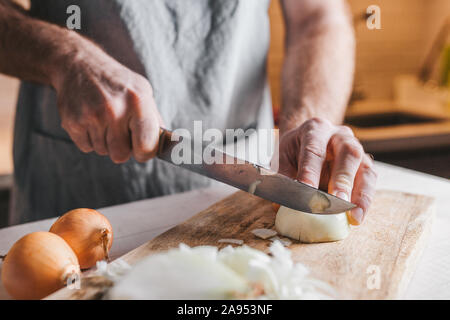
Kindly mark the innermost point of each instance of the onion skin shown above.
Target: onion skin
(37, 265)
(88, 233)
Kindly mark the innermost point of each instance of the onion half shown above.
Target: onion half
(311, 228)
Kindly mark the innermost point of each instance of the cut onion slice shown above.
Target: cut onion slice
(284, 241)
(264, 233)
(232, 241)
(311, 228)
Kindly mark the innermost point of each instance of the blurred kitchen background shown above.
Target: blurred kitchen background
(400, 106)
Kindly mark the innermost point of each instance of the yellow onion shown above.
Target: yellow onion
(88, 233)
(37, 265)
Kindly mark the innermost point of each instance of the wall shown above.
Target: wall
(408, 29)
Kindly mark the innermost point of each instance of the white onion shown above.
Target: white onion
(311, 228)
(284, 241)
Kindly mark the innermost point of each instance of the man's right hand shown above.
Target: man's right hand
(105, 107)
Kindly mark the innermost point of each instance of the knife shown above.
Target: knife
(252, 178)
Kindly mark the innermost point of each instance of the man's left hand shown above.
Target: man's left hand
(329, 157)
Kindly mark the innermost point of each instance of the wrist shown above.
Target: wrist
(65, 57)
(291, 121)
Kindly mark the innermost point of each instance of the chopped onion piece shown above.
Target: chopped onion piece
(284, 241)
(208, 273)
(233, 241)
(112, 270)
(264, 233)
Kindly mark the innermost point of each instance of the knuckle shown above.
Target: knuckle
(72, 127)
(368, 168)
(92, 116)
(318, 121)
(352, 149)
(373, 173)
(343, 182)
(133, 94)
(140, 82)
(98, 112)
(365, 165)
(313, 124)
(315, 150)
(308, 175)
(365, 200)
(134, 104)
(138, 87)
(368, 160)
(346, 130)
(115, 114)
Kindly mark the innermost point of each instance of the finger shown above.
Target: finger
(275, 206)
(145, 138)
(98, 139)
(348, 154)
(363, 190)
(325, 176)
(118, 142)
(144, 125)
(83, 141)
(79, 136)
(312, 155)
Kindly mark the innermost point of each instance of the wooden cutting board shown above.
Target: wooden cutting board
(376, 261)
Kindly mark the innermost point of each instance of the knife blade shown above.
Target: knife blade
(251, 177)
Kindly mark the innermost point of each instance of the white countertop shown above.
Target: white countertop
(137, 222)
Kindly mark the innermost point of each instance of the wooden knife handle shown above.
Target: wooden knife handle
(165, 138)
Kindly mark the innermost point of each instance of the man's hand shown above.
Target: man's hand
(317, 81)
(105, 107)
(329, 157)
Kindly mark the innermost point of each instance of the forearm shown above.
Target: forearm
(31, 49)
(318, 68)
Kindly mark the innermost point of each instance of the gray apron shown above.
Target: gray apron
(205, 60)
